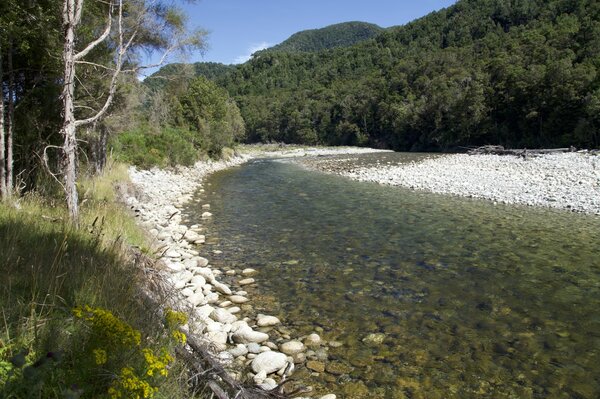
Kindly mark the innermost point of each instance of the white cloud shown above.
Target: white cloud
(253, 49)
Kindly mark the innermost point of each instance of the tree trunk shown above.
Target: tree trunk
(11, 121)
(69, 149)
(3, 191)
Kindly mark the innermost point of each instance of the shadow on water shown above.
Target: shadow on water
(471, 299)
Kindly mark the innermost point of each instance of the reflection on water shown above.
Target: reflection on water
(472, 299)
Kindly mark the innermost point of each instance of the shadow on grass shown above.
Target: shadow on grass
(47, 268)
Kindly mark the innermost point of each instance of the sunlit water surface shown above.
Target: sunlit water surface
(475, 300)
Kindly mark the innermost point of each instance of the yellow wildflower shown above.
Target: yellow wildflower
(100, 356)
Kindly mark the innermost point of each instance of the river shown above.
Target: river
(431, 296)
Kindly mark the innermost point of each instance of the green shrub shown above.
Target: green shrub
(169, 147)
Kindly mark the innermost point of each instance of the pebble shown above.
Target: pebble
(246, 281)
(266, 321)
(292, 347)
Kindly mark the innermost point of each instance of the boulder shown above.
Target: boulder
(222, 316)
(246, 335)
(269, 362)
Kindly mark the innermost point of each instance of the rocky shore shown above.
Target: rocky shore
(250, 345)
(569, 181)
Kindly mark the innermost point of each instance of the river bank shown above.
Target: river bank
(221, 311)
(569, 181)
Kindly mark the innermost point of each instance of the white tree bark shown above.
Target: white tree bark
(11, 122)
(69, 149)
(3, 190)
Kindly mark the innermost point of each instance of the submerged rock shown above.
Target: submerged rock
(292, 347)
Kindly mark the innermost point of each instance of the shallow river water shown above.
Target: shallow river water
(431, 296)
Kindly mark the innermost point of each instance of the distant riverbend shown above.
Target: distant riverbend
(415, 294)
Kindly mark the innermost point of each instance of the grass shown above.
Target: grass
(48, 268)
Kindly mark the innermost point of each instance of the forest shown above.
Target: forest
(518, 73)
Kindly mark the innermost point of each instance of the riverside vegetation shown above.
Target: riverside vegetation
(73, 323)
(519, 73)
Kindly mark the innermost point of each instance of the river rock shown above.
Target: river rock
(196, 298)
(292, 347)
(253, 347)
(266, 321)
(248, 271)
(222, 316)
(212, 297)
(222, 288)
(206, 206)
(338, 368)
(269, 362)
(198, 281)
(217, 337)
(204, 311)
(246, 281)
(234, 309)
(238, 299)
(374, 339)
(171, 253)
(202, 262)
(312, 340)
(328, 396)
(206, 215)
(246, 335)
(239, 350)
(260, 376)
(315, 366)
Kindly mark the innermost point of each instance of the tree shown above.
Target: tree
(149, 24)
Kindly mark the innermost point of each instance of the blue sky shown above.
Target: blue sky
(240, 27)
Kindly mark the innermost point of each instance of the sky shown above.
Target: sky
(240, 27)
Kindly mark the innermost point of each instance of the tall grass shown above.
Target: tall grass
(47, 269)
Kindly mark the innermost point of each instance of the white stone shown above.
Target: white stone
(206, 215)
(246, 281)
(196, 298)
(238, 299)
(266, 321)
(222, 288)
(292, 347)
(171, 253)
(204, 311)
(239, 350)
(269, 362)
(217, 337)
(248, 271)
(245, 335)
(223, 316)
(312, 339)
(328, 396)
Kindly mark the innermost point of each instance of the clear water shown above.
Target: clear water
(475, 300)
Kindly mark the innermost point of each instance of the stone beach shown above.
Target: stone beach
(249, 347)
(258, 347)
(568, 181)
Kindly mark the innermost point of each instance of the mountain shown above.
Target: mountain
(521, 73)
(333, 36)
(210, 70)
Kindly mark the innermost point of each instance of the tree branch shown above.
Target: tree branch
(100, 39)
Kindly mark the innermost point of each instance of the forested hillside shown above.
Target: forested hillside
(333, 36)
(520, 73)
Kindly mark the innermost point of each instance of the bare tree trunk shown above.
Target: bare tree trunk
(69, 148)
(11, 122)
(3, 190)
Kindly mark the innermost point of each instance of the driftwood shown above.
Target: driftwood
(500, 150)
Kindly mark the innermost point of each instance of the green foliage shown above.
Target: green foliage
(168, 147)
(212, 116)
(339, 35)
(516, 73)
(50, 346)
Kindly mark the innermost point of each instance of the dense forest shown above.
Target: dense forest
(333, 36)
(518, 73)
(521, 73)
